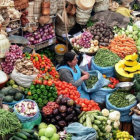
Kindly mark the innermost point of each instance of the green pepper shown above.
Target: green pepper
(33, 91)
(32, 87)
(45, 101)
(38, 86)
(49, 95)
(42, 87)
(51, 99)
(38, 91)
(35, 96)
(47, 87)
(27, 55)
(39, 100)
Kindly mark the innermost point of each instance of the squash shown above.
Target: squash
(131, 63)
(4, 45)
(132, 57)
(132, 69)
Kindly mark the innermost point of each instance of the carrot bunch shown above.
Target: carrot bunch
(122, 46)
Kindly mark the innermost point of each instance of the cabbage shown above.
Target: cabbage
(42, 125)
(55, 137)
(54, 128)
(49, 131)
(43, 138)
(42, 132)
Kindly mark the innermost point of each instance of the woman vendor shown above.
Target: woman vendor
(70, 72)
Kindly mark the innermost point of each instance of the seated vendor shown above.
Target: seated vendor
(70, 72)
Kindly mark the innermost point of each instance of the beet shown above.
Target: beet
(69, 117)
(62, 108)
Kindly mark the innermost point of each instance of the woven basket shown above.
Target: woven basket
(53, 7)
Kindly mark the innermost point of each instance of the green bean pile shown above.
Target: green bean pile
(9, 123)
(118, 99)
(105, 58)
(91, 81)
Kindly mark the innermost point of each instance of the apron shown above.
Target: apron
(76, 76)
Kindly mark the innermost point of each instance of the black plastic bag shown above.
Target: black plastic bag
(135, 5)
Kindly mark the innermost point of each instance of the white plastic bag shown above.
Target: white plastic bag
(21, 79)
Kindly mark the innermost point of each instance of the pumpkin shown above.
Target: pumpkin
(4, 45)
(131, 63)
(132, 57)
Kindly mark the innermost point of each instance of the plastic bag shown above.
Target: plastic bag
(108, 71)
(21, 79)
(30, 124)
(79, 132)
(136, 126)
(125, 117)
(24, 118)
(99, 84)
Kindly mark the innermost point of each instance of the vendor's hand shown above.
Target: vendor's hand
(84, 72)
(85, 77)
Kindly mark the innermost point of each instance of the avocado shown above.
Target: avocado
(18, 96)
(8, 99)
(12, 92)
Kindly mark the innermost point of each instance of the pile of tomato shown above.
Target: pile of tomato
(113, 82)
(87, 105)
(67, 89)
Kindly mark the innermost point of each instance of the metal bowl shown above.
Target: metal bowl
(125, 85)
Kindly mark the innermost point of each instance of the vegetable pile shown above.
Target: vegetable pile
(84, 43)
(48, 132)
(87, 105)
(104, 122)
(25, 67)
(122, 46)
(91, 81)
(43, 33)
(9, 123)
(14, 53)
(26, 108)
(25, 134)
(113, 82)
(105, 58)
(122, 99)
(10, 94)
(67, 112)
(41, 94)
(102, 33)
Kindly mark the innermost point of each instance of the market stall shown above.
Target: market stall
(35, 103)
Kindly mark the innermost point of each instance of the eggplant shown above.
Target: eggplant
(75, 119)
(58, 117)
(69, 110)
(62, 108)
(48, 119)
(64, 101)
(70, 102)
(78, 111)
(63, 114)
(58, 127)
(69, 117)
(74, 113)
(62, 123)
(55, 111)
(58, 100)
(53, 121)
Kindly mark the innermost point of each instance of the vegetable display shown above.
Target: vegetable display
(25, 67)
(42, 34)
(11, 95)
(9, 123)
(67, 112)
(122, 46)
(102, 33)
(25, 134)
(91, 81)
(104, 122)
(48, 132)
(105, 58)
(41, 94)
(14, 53)
(26, 108)
(127, 67)
(84, 43)
(122, 99)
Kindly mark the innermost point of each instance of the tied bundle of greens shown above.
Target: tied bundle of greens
(9, 123)
(106, 58)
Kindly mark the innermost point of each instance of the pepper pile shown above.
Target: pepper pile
(41, 94)
(43, 64)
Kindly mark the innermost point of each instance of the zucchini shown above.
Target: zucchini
(25, 133)
(17, 138)
(28, 131)
(21, 135)
(97, 122)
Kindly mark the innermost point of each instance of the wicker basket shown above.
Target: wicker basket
(53, 7)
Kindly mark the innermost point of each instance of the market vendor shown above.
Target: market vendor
(70, 72)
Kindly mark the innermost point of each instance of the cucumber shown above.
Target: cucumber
(28, 131)
(21, 135)
(17, 138)
(25, 133)
(97, 122)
